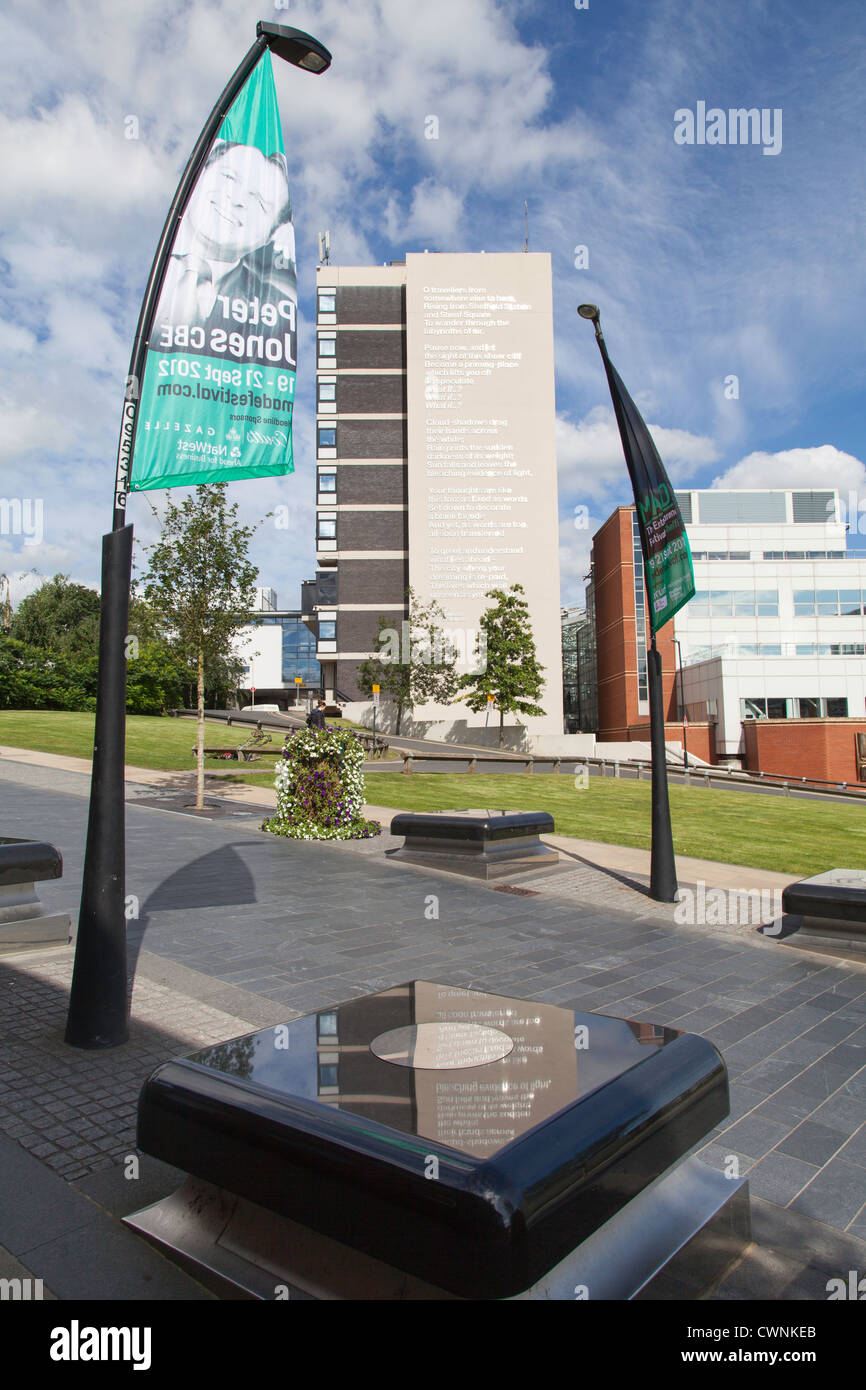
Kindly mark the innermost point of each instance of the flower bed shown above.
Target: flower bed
(320, 788)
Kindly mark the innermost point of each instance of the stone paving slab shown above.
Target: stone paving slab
(237, 929)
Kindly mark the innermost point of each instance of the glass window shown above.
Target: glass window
(699, 555)
(328, 631)
(810, 707)
(849, 602)
(327, 302)
(328, 1076)
(806, 649)
(795, 554)
(774, 554)
(721, 602)
(700, 604)
(327, 482)
(777, 709)
(753, 709)
(717, 555)
(327, 437)
(327, 1025)
(327, 530)
(816, 554)
(828, 602)
(327, 345)
(739, 554)
(327, 390)
(744, 603)
(771, 649)
(837, 709)
(767, 603)
(804, 603)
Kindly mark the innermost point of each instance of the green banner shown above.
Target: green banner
(219, 380)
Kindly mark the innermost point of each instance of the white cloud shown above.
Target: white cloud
(820, 466)
(591, 461)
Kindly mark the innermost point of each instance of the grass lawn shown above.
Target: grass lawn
(766, 832)
(151, 741)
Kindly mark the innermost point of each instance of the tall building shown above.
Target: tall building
(436, 457)
(776, 630)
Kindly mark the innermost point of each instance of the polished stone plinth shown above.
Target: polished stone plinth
(430, 1141)
(832, 905)
(481, 843)
(23, 864)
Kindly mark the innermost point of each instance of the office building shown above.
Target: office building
(436, 461)
(776, 632)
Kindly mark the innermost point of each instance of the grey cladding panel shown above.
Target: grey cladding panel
(371, 439)
(371, 395)
(373, 581)
(372, 484)
(371, 304)
(372, 531)
(731, 508)
(814, 506)
(373, 349)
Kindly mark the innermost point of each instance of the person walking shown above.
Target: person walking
(316, 717)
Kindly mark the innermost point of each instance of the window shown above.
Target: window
(327, 632)
(327, 1025)
(744, 603)
(774, 554)
(837, 709)
(804, 603)
(795, 554)
(327, 529)
(328, 1077)
(327, 302)
(767, 603)
(327, 390)
(753, 709)
(777, 709)
(327, 482)
(809, 707)
(327, 437)
(828, 603)
(850, 602)
(327, 344)
(721, 603)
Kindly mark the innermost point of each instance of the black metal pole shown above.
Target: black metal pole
(663, 874)
(98, 1008)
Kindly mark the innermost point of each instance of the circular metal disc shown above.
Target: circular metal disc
(442, 1046)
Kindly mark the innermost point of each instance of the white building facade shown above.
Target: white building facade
(777, 627)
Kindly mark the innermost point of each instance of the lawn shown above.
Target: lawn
(153, 742)
(766, 832)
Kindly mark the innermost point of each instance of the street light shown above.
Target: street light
(98, 1013)
(683, 705)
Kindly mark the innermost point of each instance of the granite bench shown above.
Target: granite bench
(832, 905)
(431, 1141)
(23, 864)
(480, 843)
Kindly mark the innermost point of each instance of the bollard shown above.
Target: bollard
(616, 769)
(407, 762)
(556, 764)
(528, 768)
(471, 767)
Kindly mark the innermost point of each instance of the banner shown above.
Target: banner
(219, 378)
(670, 577)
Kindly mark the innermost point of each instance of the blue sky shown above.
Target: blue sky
(708, 261)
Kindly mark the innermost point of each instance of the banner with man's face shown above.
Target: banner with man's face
(219, 378)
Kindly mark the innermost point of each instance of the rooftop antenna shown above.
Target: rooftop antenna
(526, 224)
(324, 248)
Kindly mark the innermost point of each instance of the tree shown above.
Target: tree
(60, 617)
(416, 663)
(200, 587)
(512, 673)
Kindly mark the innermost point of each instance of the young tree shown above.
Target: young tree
(200, 585)
(512, 672)
(416, 661)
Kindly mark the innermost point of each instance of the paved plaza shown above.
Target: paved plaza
(236, 930)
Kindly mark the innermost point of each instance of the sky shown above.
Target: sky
(731, 277)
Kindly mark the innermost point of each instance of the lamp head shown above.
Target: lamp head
(588, 311)
(294, 46)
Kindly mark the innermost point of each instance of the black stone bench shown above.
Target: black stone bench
(483, 844)
(438, 1142)
(23, 864)
(832, 905)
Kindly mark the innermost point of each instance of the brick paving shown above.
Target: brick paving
(237, 929)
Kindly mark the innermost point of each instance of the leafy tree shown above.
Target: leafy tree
(156, 680)
(199, 585)
(416, 662)
(32, 678)
(60, 617)
(512, 672)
